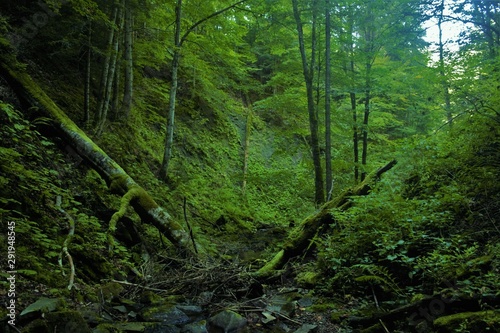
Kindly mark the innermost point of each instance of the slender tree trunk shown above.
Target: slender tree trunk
(111, 73)
(355, 139)
(128, 83)
(169, 142)
(105, 70)
(352, 95)
(364, 132)
(328, 134)
(369, 52)
(114, 114)
(246, 148)
(313, 119)
(86, 92)
(178, 41)
(442, 71)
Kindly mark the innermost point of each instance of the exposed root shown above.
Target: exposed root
(64, 249)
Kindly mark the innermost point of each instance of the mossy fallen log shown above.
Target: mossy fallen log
(117, 180)
(300, 238)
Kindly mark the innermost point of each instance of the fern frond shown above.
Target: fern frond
(379, 275)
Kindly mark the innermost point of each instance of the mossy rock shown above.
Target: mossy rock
(110, 291)
(474, 321)
(61, 322)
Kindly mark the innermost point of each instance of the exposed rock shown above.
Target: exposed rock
(62, 322)
(162, 328)
(198, 327)
(228, 321)
(169, 314)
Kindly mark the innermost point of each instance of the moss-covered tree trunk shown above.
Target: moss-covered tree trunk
(299, 239)
(116, 178)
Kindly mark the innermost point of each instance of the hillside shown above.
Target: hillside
(234, 238)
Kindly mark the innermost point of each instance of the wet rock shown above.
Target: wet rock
(190, 310)
(198, 327)
(305, 302)
(284, 304)
(169, 314)
(110, 291)
(228, 321)
(62, 322)
(162, 328)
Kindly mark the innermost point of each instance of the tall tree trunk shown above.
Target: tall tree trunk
(178, 41)
(86, 92)
(442, 67)
(328, 134)
(355, 131)
(111, 73)
(352, 93)
(364, 132)
(128, 84)
(105, 70)
(308, 71)
(246, 147)
(169, 142)
(369, 53)
(115, 102)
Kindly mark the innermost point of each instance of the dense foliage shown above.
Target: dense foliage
(243, 140)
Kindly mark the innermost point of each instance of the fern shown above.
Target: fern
(379, 275)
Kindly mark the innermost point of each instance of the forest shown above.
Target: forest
(254, 166)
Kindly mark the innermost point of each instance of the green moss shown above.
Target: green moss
(71, 321)
(323, 307)
(455, 321)
(269, 268)
(119, 183)
(418, 297)
(145, 200)
(110, 290)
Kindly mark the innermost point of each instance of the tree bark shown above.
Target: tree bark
(116, 178)
(111, 74)
(328, 134)
(86, 92)
(364, 131)
(246, 147)
(300, 238)
(369, 39)
(169, 140)
(308, 71)
(128, 83)
(105, 70)
(442, 66)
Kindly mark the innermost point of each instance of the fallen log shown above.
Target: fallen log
(117, 180)
(300, 238)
